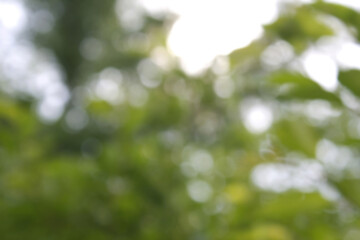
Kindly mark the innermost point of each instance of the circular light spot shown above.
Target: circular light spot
(199, 191)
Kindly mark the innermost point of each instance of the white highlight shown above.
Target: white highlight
(199, 161)
(282, 177)
(12, 15)
(257, 117)
(348, 3)
(277, 54)
(306, 176)
(224, 87)
(319, 111)
(109, 86)
(322, 69)
(336, 159)
(349, 55)
(150, 75)
(76, 119)
(211, 28)
(199, 190)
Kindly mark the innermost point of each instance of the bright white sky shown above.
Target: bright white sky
(206, 28)
(222, 26)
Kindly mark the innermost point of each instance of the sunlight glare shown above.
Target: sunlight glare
(202, 33)
(322, 69)
(12, 15)
(206, 29)
(350, 3)
(349, 55)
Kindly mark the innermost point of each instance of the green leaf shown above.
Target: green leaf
(351, 80)
(297, 135)
(349, 188)
(349, 16)
(296, 86)
(300, 28)
(288, 205)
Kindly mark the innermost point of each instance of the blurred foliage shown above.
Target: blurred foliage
(128, 171)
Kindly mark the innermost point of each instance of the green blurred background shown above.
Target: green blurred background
(104, 136)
